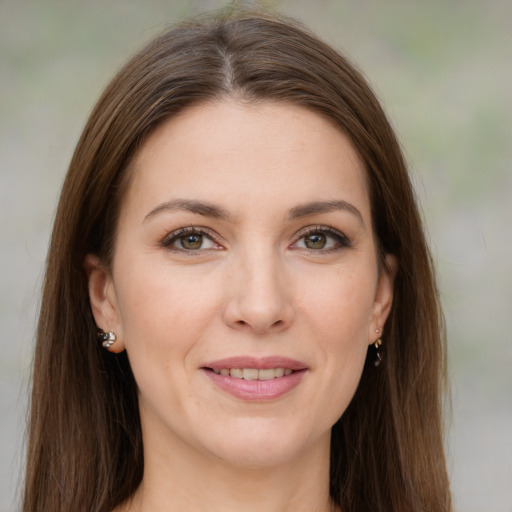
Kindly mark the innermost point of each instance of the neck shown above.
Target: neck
(183, 479)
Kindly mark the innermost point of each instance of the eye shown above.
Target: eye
(321, 239)
(190, 239)
(316, 241)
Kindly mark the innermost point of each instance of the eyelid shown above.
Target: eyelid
(342, 240)
(340, 237)
(171, 237)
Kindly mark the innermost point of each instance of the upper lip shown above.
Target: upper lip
(261, 363)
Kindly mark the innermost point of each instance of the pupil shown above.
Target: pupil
(192, 241)
(316, 241)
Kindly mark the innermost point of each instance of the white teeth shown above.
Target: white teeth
(268, 374)
(250, 373)
(254, 373)
(238, 373)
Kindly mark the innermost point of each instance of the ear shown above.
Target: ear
(383, 297)
(102, 297)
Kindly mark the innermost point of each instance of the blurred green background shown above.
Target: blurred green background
(443, 70)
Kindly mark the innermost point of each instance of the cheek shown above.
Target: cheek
(339, 313)
(165, 318)
(164, 313)
(341, 306)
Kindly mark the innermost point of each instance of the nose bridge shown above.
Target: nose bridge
(260, 298)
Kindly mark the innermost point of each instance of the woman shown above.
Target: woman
(238, 223)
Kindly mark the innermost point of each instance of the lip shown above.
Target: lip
(263, 363)
(256, 390)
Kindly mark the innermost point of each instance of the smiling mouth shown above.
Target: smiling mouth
(256, 379)
(254, 373)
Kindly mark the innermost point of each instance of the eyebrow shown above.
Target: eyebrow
(317, 207)
(211, 210)
(190, 205)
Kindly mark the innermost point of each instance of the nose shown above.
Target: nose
(259, 296)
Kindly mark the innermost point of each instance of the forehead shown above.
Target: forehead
(249, 154)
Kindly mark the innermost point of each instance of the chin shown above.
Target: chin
(260, 447)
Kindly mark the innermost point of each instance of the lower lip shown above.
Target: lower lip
(256, 390)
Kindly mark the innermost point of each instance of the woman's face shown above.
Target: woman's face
(245, 286)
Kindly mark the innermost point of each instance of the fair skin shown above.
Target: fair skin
(277, 266)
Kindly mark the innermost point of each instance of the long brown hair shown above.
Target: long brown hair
(85, 448)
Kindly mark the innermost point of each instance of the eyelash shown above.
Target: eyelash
(341, 240)
(173, 237)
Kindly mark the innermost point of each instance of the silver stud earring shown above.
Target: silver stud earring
(107, 339)
(377, 344)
